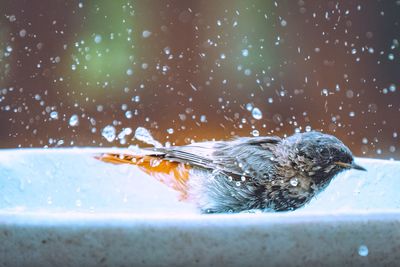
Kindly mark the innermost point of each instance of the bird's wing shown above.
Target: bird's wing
(229, 157)
(241, 157)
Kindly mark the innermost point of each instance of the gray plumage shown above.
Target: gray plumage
(267, 173)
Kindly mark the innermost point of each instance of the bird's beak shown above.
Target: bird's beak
(358, 167)
(350, 166)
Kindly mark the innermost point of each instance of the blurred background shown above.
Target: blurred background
(89, 73)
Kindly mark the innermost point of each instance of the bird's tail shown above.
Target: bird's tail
(173, 174)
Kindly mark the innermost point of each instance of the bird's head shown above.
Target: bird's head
(322, 155)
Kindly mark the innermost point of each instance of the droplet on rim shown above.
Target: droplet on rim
(363, 250)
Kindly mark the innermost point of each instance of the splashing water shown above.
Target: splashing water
(109, 133)
(74, 120)
(144, 135)
(146, 34)
(256, 113)
(54, 115)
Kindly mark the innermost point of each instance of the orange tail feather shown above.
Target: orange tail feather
(173, 174)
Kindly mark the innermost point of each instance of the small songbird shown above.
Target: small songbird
(247, 173)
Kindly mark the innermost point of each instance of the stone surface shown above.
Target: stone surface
(63, 207)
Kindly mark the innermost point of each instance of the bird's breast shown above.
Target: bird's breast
(300, 186)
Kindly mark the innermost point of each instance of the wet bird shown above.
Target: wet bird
(247, 173)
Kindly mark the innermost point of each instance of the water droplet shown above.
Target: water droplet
(146, 34)
(392, 88)
(128, 114)
(97, 39)
(78, 203)
(155, 162)
(349, 93)
(127, 130)
(54, 115)
(144, 135)
(9, 49)
(294, 181)
(352, 114)
(12, 18)
(363, 250)
(222, 56)
(74, 120)
(249, 106)
(136, 99)
(256, 113)
(22, 33)
(255, 133)
(170, 130)
(238, 183)
(324, 92)
(129, 72)
(391, 56)
(283, 23)
(245, 52)
(247, 72)
(109, 133)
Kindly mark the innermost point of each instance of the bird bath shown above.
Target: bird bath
(64, 206)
